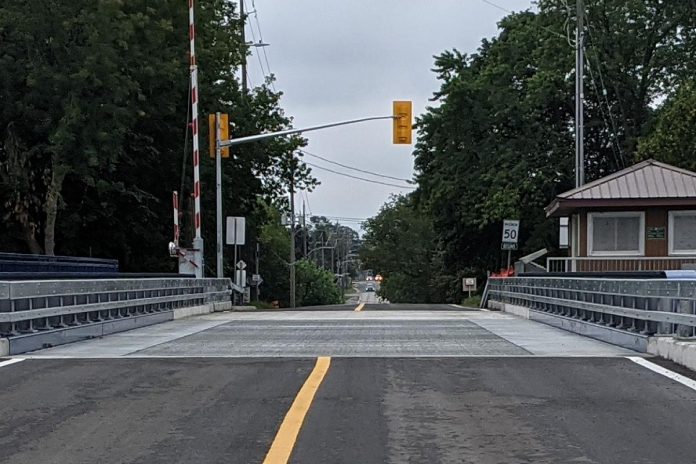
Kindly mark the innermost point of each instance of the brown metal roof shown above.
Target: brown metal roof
(647, 182)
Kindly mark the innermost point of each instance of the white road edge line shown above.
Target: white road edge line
(663, 371)
(10, 361)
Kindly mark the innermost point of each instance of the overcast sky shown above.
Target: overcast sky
(336, 60)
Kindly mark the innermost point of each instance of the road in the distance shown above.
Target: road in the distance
(405, 385)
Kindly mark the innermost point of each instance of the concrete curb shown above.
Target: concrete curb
(4, 347)
(181, 313)
(243, 308)
(681, 352)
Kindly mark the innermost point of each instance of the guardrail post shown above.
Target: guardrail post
(684, 307)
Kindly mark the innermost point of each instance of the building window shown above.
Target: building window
(616, 233)
(682, 232)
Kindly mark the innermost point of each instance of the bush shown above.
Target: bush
(315, 285)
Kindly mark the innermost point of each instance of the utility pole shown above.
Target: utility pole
(292, 230)
(257, 269)
(304, 231)
(579, 96)
(244, 60)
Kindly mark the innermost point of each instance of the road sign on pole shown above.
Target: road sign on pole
(469, 284)
(235, 230)
(241, 265)
(511, 229)
(511, 232)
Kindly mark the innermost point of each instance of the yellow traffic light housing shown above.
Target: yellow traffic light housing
(403, 122)
(224, 134)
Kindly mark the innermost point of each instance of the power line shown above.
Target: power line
(604, 92)
(497, 6)
(258, 57)
(306, 195)
(619, 163)
(502, 8)
(358, 178)
(353, 168)
(263, 49)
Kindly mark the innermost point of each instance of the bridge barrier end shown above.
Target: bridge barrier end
(679, 351)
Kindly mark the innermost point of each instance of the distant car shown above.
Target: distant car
(368, 278)
(370, 288)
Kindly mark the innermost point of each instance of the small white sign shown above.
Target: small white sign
(236, 228)
(469, 283)
(240, 277)
(511, 229)
(241, 264)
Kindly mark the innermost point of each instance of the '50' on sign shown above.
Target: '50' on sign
(511, 229)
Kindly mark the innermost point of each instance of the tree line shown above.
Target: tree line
(95, 136)
(497, 141)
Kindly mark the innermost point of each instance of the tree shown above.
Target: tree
(316, 286)
(274, 242)
(399, 244)
(94, 123)
(499, 142)
(674, 140)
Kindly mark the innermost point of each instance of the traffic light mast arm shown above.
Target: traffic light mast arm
(256, 138)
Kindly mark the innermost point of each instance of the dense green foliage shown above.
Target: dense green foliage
(498, 141)
(397, 247)
(674, 138)
(94, 134)
(316, 286)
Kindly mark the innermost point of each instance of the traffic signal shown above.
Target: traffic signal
(403, 122)
(224, 134)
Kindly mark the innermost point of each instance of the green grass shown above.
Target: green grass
(474, 301)
(261, 305)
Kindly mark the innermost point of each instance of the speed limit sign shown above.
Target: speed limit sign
(511, 229)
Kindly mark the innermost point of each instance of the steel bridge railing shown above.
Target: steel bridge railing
(648, 307)
(33, 306)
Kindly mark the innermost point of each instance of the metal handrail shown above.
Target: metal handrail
(619, 263)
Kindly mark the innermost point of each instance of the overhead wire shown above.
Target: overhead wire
(258, 56)
(502, 8)
(612, 136)
(604, 96)
(359, 178)
(263, 49)
(306, 195)
(313, 155)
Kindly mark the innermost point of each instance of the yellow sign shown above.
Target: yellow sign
(403, 122)
(224, 134)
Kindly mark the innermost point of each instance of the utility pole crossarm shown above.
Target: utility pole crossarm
(256, 138)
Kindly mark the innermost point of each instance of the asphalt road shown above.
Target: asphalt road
(405, 385)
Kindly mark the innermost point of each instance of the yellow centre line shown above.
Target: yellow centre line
(359, 307)
(285, 439)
